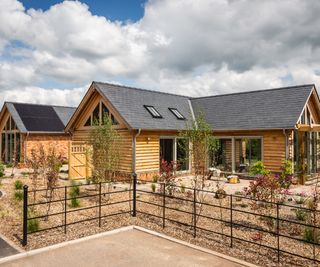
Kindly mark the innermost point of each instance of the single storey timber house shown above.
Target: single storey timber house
(26, 126)
(269, 125)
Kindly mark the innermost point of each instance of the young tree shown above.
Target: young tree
(105, 153)
(200, 135)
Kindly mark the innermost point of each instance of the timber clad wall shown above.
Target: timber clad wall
(273, 146)
(125, 146)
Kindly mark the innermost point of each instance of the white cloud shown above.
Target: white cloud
(194, 47)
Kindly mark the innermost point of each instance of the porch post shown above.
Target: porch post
(301, 152)
(233, 149)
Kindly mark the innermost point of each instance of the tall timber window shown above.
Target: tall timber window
(96, 117)
(10, 142)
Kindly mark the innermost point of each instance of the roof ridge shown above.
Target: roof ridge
(256, 91)
(34, 104)
(141, 89)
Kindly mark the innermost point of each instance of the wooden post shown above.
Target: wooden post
(301, 154)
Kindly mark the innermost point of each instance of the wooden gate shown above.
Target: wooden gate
(79, 167)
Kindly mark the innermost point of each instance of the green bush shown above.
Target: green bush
(153, 188)
(18, 185)
(259, 169)
(301, 215)
(155, 178)
(9, 165)
(310, 235)
(74, 193)
(1, 169)
(18, 195)
(182, 188)
(33, 225)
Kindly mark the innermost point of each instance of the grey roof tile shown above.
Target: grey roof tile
(129, 102)
(263, 109)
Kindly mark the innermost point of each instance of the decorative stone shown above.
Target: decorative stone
(233, 179)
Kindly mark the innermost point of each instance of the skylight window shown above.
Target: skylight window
(177, 114)
(154, 113)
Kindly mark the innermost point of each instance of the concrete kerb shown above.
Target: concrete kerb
(123, 229)
(20, 250)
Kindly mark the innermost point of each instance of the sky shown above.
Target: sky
(50, 51)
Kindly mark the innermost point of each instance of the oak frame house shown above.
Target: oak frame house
(25, 126)
(269, 125)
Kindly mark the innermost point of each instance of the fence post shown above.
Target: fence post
(25, 216)
(134, 204)
(163, 205)
(231, 222)
(100, 204)
(278, 232)
(194, 213)
(65, 209)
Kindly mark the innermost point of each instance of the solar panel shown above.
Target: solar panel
(39, 118)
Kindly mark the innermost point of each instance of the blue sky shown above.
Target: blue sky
(196, 48)
(121, 10)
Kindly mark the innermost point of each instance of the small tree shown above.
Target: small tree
(104, 142)
(200, 135)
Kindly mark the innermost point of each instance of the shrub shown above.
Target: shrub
(9, 165)
(265, 188)
(155, 178)
(182, 188)
(74, 193)
(238, 193)
(18, 185)
(33, 225)
(310, 235)
(259, 169)
(18, 195)
(301, 215)
(1, 169)
(286, 176)
(153, 188)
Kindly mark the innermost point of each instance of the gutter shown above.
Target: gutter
(134, 142)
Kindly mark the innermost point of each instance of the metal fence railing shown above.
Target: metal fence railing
(277, 216)
(201, 212)
(93, 197)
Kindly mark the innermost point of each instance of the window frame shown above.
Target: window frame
(177, 114)
(153, 111)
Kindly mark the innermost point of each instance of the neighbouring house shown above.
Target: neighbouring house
(26, 126)
(269, 125)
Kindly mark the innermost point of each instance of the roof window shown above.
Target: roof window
(154, 113)
(177, 114)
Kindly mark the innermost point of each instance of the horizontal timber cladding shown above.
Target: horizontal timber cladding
(148, 150)
(125, 146)
(273, 145)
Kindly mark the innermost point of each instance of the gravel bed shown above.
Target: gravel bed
(11, 222)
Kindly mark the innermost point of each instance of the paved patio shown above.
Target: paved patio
(131, 247)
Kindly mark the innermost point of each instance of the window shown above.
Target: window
(96, 117)
(177, 114)
(154, 113)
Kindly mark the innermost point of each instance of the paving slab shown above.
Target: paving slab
(6, 249)
(125, 248)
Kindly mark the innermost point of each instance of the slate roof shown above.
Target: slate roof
(277, 108)
(129, 102)
(39, 118)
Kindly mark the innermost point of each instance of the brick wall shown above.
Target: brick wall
(59, 141)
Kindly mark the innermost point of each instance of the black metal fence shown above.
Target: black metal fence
(34, 210)
(193, 209)
(165, 202)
